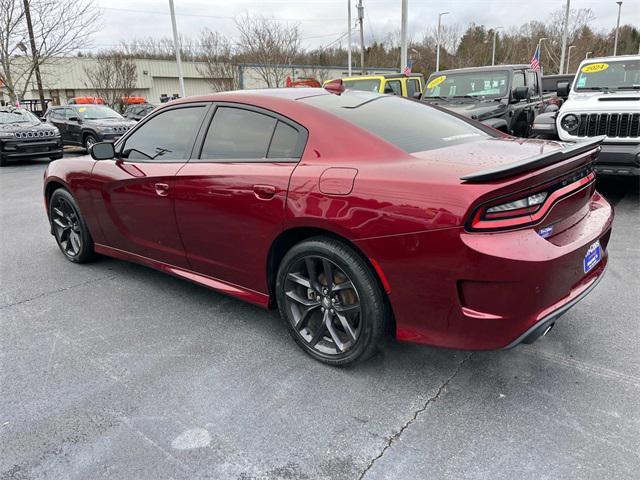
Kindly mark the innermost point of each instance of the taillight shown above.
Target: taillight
(517, 211)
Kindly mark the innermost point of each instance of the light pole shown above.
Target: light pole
(493, 52)
(615, 43)
(565, 31)
(361, 20)
(349, 35)
(542, 39)
(569, 58)
(587, 55)
(176, 45)
(403, 36)
(438, 41)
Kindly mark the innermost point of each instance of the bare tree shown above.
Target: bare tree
(269, 45)
(113, 77)
(219, 63)
(60, 27)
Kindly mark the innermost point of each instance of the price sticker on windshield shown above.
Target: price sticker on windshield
(436, 81)
(82, 109)
(595, 67)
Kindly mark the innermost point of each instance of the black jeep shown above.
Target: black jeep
(23, 135)
(505, 97)
(86, 124)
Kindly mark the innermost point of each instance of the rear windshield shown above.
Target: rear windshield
(410, 125)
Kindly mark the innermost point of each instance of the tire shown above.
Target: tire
(315, 311)
(69, 228)
(89, 140)
(3, 161)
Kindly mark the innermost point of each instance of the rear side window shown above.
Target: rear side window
(236, 133)
(410, 125)
(285, 142)
(167, 136)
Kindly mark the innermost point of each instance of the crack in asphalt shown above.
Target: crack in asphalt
(59, 290)
(429, 401)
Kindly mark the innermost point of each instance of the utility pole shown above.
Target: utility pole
(565, 31)
(493, 52)
(349, 34)
(615, 43)
(569, 59)
(176, 46)
(361, 20)
(438, 41)
(403, 36)
(34, 55)
(542, 39)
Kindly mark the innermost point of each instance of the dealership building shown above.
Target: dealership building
(66, 78)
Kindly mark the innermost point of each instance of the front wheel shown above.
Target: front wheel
(89, 140)
(331, 301)
(69, 228)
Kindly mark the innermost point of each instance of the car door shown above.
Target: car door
(135, 191)
(535, 94)
(74, 124)
(230, 200)
(57, 117)
(517, 108)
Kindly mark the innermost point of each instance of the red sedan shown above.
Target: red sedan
(357, 215)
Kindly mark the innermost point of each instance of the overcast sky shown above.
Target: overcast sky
(323, 21)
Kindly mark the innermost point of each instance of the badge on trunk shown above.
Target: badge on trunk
(592, 257)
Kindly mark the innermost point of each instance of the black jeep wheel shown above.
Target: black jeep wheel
(69, 228)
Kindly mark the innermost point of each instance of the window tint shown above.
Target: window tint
(167, 136)
(238, 133)
(412, 87)
(393, 86)
(284, 142)
(518, 79)
(415, 127)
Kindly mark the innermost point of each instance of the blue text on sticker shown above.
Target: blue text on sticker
(546, 231)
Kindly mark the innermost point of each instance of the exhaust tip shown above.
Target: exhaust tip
(547, 330)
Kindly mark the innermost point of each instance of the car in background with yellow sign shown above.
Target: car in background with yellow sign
(505, 97)
(605, 101)
(85, 124)
(409, 86)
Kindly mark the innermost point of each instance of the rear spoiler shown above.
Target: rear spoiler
(532, 163)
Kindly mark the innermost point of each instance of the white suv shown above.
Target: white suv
(605, 101)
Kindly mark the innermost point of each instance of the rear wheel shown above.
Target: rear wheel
(331, 301)
(69, 228)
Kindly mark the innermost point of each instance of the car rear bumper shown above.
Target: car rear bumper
(485, 291)
(619, 159)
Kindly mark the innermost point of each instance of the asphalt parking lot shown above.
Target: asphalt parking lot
(113, 370)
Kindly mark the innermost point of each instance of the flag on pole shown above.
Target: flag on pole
(407, 69)
(535, 60)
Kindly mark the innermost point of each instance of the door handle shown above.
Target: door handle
(264, 192)
(162, 189)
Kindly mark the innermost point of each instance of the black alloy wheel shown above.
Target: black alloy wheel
(331, 301)
(69, 228)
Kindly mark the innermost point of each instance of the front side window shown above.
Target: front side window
(165, 137)
(412, 87)
(236, 133)
(518, 79)
(393, 87)
(371, 85)
(480, 84)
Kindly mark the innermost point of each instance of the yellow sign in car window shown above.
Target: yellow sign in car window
(436, 81)
(595, 67)
(82, 109)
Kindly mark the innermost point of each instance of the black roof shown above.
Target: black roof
(490, 68)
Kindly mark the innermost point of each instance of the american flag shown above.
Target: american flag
(407, 69)
(535, 60)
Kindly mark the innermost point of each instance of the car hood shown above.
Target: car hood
(474, 110)
(26, 127)
(624, 101)
(110, 122)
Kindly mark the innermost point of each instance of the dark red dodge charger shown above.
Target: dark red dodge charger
(356, 214)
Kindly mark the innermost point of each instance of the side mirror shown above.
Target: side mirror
(520, 93)
(563, 89)
(335, 86)
(102, 151)
(417, 95)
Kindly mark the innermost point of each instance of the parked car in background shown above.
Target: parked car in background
(138, 111)
(605, 101)
(550, 87)
(302, 82)
(86, 101)
(85, 125)
(505, 97)
(399, 217)
(395, 84)
(23, 135)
